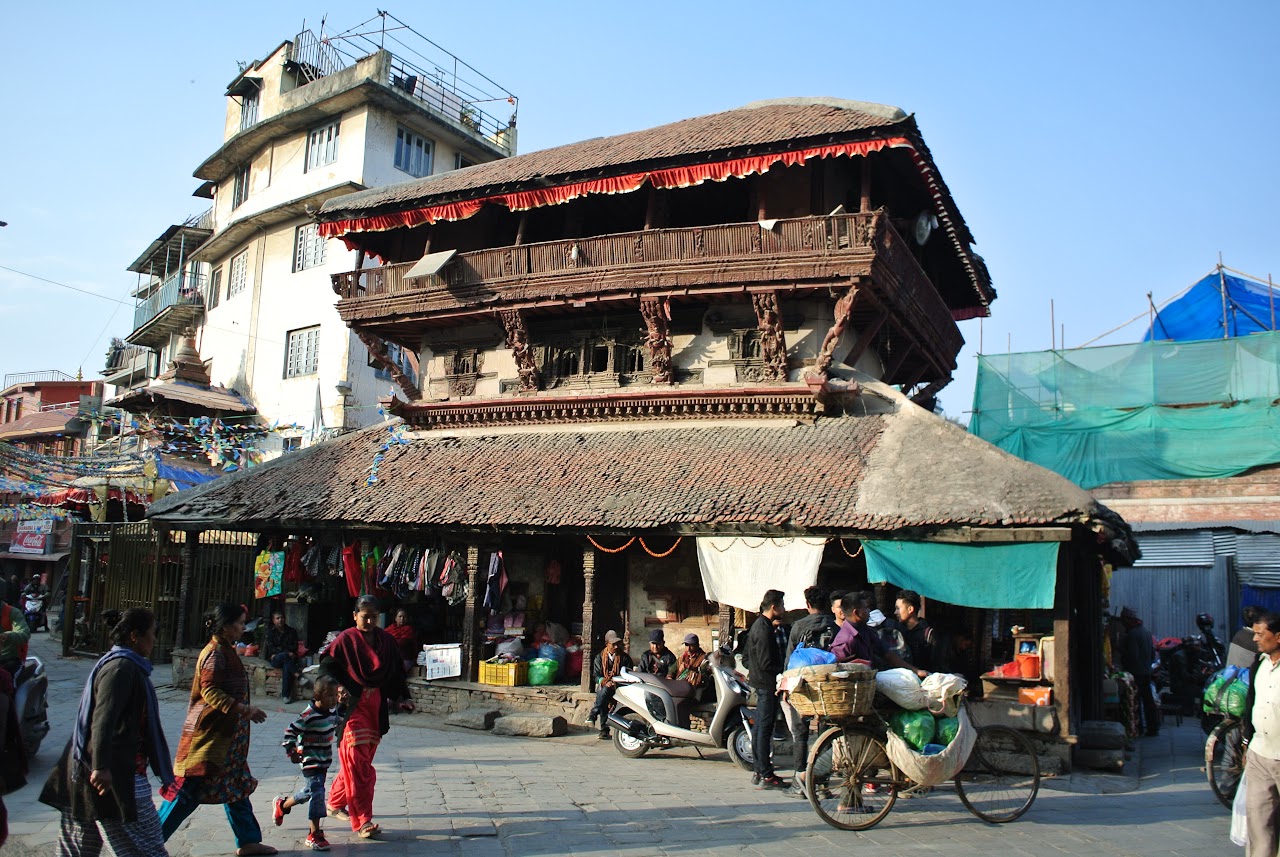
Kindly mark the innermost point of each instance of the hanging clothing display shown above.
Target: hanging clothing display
(351, 568)
(495, 581)
(268, 574)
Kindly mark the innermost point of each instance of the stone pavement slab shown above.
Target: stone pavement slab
(451, 791)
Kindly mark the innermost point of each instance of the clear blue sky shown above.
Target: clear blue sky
(1099, 151)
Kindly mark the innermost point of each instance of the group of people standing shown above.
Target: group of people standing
(840, 624)
(101, 784)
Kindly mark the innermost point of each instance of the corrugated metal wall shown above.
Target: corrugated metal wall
(1258, 559)
(1175, 549)
(1167, 598)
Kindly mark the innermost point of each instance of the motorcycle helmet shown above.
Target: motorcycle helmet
(1204, 622)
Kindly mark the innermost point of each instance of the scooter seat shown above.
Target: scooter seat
(677, 689)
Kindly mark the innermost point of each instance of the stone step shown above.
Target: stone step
(474, 718)
(1099, 760)
(531, 725)
(1101, 735)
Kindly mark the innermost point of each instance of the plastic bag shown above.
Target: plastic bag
(917, 728)
(807, 656)
(947, 728)
(542, 671)
(1234, 698)
(903, 688)
(512, 646)
(1239, 829)
(1217, 685)
(944, 690)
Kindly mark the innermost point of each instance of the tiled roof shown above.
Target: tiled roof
(880, 472)
(41, 422)
(213, 399)
(768, 126)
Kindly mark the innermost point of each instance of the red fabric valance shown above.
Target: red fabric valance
(675, 177)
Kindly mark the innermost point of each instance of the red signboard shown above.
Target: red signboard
(28, 543)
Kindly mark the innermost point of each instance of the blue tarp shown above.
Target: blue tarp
(1199, 313)
(997, 576)
(182, 477)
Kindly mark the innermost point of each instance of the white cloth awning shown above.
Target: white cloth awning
(737, 570)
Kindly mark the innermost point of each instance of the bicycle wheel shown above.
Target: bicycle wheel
(851, 783)
(1001, 778)
(1224, 760)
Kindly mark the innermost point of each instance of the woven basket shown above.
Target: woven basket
(837, 697)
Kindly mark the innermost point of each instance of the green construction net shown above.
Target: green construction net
(1154, 410)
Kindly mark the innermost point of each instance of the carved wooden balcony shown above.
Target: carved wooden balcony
(794, 256)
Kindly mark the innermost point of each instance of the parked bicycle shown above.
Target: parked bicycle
(1224, 759)
(852, 784)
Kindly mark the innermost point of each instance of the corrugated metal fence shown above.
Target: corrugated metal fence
(1167, 598)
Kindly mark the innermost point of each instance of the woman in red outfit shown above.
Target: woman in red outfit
(366, 662)
(406, 639)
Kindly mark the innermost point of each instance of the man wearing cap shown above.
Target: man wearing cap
(694, 666)
(658, 660)
(605, 667)
(1137, 654)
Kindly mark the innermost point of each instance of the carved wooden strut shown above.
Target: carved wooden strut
(844, 308)
(773, 344)
(378, 351)
(518, 342)
(657, 312)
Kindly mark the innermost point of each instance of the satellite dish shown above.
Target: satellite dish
(924, 225)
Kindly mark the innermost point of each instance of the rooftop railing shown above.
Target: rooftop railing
(36, 377)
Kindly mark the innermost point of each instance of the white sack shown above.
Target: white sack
(930, 770)
(944, 690)
(737, 570)
(903, 688)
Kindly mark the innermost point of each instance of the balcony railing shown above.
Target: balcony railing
(474, 277)
(181, 289)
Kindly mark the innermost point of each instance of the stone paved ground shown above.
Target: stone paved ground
(446, 791)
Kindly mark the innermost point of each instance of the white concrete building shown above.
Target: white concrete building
(314, 119)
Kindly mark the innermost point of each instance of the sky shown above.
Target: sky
(1098, 151)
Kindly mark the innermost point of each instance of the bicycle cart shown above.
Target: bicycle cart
(852, 783)
(1224, 759)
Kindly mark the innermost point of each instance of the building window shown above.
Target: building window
(290, 444)
(248, 110)
(413, 153)
(239, 276)
(215, 288)
(322, 146)
(308, 247)
(400, 357)
(240, 187)
(461, 162)
(302, 352)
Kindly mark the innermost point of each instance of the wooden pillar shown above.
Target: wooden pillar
(470, 628)
(190, 550)
(73, 589)
(864, 203)
(520, 227)
(588, 614)
(1062, 640)
(726, 626)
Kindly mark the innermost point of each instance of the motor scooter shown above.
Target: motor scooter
(31, 701)
(34, 610)
(653, 713)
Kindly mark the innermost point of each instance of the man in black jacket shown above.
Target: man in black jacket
(766, 665)
(816, 630)
(1137, 654)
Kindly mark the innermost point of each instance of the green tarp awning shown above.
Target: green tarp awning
(998, 576)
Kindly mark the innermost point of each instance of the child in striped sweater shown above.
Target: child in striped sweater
(309, 742)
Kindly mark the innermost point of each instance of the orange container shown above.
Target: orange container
(1035, 695)
(1029, 666)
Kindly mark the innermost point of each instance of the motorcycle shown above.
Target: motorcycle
(653, 713)
(31, 701)
(1185, 665)
(34, 610)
